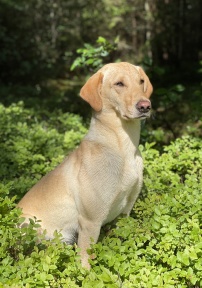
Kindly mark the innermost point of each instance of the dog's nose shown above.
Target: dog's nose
(143, 106)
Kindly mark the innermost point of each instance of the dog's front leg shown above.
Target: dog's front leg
(88, 231)
(131, 200)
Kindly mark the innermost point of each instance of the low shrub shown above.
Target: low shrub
(33, 144)
(160, 245)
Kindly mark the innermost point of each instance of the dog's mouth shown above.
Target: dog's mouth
(141, 116)
(144, 116)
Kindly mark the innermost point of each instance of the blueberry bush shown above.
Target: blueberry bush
(159, 245)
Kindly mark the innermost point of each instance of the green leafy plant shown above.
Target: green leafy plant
(159, 245)
(32, 145)
(93, 56)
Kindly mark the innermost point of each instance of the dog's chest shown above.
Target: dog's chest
(128, 185)
(131, 173)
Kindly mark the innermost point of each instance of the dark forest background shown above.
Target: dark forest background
(41, 39)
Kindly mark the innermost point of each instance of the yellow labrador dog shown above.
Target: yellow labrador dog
(102, 178)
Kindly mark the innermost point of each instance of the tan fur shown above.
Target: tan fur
(102, 178)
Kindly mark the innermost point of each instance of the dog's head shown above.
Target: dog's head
(122, 87)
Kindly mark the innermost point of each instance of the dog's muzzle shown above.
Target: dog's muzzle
(144, 108)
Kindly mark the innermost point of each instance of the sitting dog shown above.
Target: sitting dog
(102, 178)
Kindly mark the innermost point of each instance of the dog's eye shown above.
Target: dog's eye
(120, 84)
(141, 81)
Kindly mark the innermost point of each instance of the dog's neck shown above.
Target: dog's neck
(124, 133)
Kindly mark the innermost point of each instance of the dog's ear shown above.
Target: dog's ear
(90, 92)
(147, 86)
